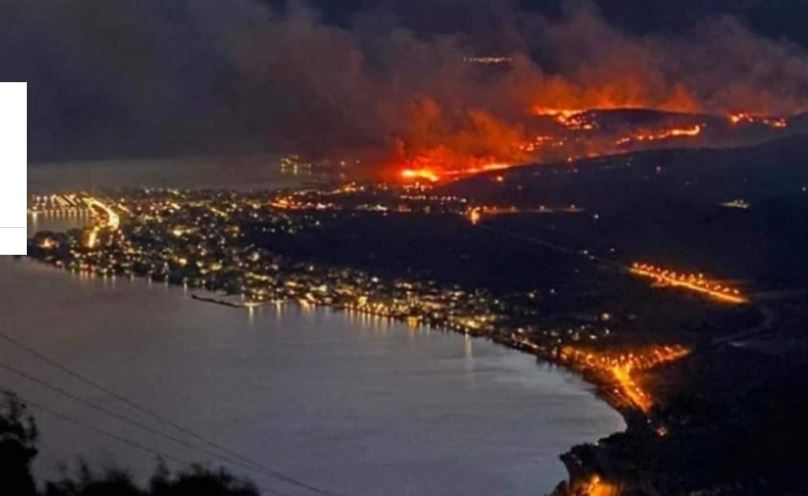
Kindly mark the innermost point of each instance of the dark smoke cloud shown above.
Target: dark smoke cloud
(147, 78)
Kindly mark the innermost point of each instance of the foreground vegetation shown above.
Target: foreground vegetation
(19, 438)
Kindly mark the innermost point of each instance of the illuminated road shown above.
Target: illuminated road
(619, 367)
(111, 219)
(692, 282)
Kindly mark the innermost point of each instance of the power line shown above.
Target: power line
(156, 432)
(121, 398)
(557, 247)
(111, 413)
(134, 444)
(240, 460)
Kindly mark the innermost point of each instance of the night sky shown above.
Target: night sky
(775, 18)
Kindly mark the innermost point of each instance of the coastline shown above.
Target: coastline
(602, 388)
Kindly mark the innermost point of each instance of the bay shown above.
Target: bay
(355, 404)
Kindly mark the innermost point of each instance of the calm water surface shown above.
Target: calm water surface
(356, 404)
(245, 173)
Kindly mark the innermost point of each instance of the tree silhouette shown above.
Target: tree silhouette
(18, 440)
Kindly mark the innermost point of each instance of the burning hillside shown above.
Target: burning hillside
(413, 93)
(601, 91)
(564, 135)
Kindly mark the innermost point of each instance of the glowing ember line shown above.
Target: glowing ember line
(747, 118)
(692, 282)
(686, 132)
(565, 117)
(494, 166)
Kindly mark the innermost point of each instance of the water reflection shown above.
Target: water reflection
(351, 401)
(57, 221)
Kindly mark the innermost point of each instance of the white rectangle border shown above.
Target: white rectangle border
(13, 168)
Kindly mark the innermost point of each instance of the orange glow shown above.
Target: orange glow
(619, 92)
(692, 282)
(740, 118)
(622, 374)
(454, 142)
(619, 367)
(595, 486)
(574, 119)
(92, 238)
(416, 174)
(563, 116)
(541, 142)
(474, 216)
(46, 244)
(448, 143)
(493, 166)
(620, 89)
(442, 165)
(685, 132)
(108, 218)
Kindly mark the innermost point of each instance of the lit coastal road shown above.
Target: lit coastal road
(111, 220)
(691, 282)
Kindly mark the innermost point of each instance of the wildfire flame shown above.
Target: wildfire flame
(596, 486)
(740, 118)
(685, 132)
(443, 145)
(618, 91)
(416, 174)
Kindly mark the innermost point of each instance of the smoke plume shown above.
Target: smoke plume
(445, 84)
